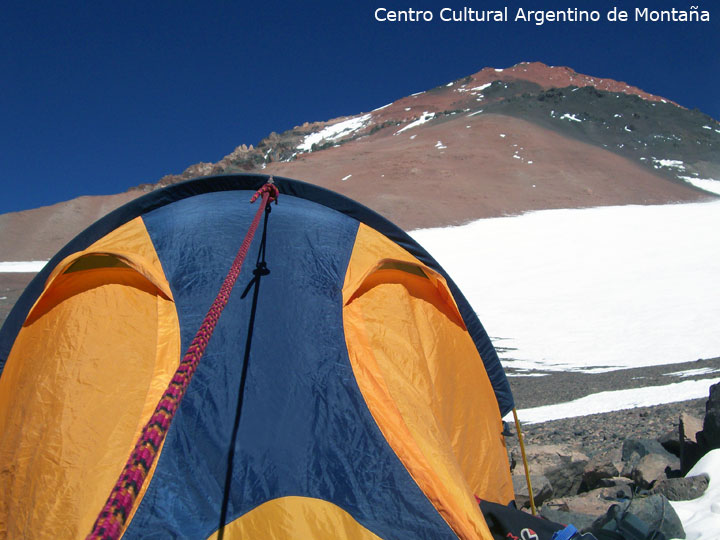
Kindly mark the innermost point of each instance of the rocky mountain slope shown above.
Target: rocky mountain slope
(499, 142)
(503, 141)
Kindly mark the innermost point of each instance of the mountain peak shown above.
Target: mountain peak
(559, 77)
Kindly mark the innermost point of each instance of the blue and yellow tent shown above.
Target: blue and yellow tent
(348, 391)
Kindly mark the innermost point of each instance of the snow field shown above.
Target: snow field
(591, 289)
(334, 132)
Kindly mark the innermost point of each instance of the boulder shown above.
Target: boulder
(682, 489)
(671, 441)
(707, 439)
(690, 454)
(629, 464)
(650, 469)
(581, 521)
(642, 447)
(688, 428)
(711, 424)
(634, 455)
(643, 514)
(690, 450)
(591, 503)
(617, 482)
(542, 490)
(622, 490)
(605, 465)
(657, 512)
(563, 466)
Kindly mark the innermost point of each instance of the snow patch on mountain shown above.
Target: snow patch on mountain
(334, 132)
(668, 163)
(426, 117)
(708, 184)
(572, 117)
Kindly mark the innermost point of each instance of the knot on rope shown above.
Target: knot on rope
(261, 269)
(270, 188)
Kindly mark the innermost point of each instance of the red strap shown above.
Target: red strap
(111, 521)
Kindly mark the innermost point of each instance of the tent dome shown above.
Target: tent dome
(348, 390)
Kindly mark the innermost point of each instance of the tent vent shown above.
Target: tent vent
(93, 262)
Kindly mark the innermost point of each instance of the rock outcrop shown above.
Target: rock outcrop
(635, 481)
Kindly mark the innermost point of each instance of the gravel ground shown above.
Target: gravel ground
(559, 387)
(598, 432)
(11, 287)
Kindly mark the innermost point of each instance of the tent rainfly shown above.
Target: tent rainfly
(348, 389)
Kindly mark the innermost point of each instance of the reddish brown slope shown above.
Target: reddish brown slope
(37, 234)
(413, 182)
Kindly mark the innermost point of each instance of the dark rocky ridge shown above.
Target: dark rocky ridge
(640, 130)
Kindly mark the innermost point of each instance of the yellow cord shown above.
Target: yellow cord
(527, 469)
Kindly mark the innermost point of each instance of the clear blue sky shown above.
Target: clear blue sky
(96, 97)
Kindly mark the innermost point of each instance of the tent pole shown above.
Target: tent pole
(525, 463)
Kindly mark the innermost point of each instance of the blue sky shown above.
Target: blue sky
(100, 96)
